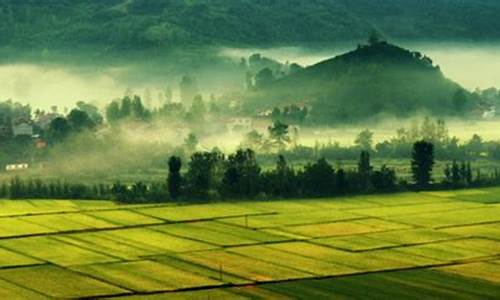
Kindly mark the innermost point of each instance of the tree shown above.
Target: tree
(364, 166)
(174, 181)
(364, 169)
(459, 100)
(375, 37)
(319, 178)
(279, 134)
(283, 184)
(91, 110)
(264, 78)
(422, 163)
(191, 142)
(384, 179)
(137, 109)
(253, 140)
(364, 140)
(188, 89)
(80, 120)
(200, 177)
(59, 129)
(468, 174)
(475, 145)
(455, 173)
(242, 174)
(113, 112)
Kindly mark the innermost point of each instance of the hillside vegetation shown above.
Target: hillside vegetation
(373, 79)
(139, 24)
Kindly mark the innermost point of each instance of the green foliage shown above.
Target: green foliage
(279, 135)
(139, 24)
(241, 175)
(422, 163)
(366, 83)
(127, 109)
(174, 181)
(318, 178)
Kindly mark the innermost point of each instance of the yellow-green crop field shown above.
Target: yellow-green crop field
(432, 245)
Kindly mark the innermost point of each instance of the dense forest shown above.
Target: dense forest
(142, 24)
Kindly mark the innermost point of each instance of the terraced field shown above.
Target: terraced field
(435, 245)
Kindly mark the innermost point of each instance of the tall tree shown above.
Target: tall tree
(279, 134)
(364, 140)
(319, 178)
(364, 170)
(200, 176)
(242, 174)
(422, 163)
(80, 120)
(174, 181)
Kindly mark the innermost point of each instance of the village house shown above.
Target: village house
(16, 167)
(43, 121)
(22, 129)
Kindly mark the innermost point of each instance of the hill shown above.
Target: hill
(374, 79)
(140, 24)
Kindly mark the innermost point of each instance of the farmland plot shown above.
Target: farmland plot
(365, 246)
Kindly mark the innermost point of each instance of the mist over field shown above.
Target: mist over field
(44, 85)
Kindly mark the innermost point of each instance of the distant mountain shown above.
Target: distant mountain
(143, 24)
(378, 78)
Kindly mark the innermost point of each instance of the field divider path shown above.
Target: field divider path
(120, 227)
(269, 282)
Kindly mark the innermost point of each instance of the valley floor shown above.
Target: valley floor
(402, 246)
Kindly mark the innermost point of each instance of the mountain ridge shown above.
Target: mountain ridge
(140, 24)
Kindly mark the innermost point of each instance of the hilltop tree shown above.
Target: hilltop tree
(174, 181)
(422, 163)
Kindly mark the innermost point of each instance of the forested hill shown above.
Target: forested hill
(377, 78)
(140, 24)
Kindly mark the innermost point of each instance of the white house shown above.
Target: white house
(16, 167)
(22, 129)
(489, 114)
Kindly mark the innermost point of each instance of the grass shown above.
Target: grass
(393, 285)
(401, 246)
(250, 269)
(147, 276)
(54, 251)
(56, 282)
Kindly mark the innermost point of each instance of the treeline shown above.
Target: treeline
(212, 175)
(446, 147)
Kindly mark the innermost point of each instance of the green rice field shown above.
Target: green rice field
(430, 245)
